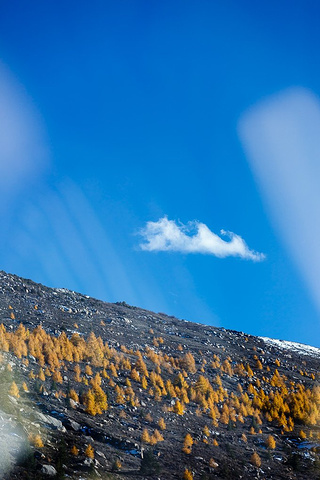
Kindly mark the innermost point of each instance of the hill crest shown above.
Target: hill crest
(151, 395)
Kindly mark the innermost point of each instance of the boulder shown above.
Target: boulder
(75, 425)
(49, 470)
(53, 422)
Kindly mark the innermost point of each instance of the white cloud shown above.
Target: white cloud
(195, 237)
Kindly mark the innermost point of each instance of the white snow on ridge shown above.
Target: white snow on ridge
(293, 346)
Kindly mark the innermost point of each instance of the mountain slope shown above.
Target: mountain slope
(115, 391)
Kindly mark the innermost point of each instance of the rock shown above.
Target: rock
(101, 454)
(49, 470)
(40, 416)
(53, 422)
(72, 403)
(13, 400)
(75, 425)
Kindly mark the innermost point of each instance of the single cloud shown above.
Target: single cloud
(166, 235)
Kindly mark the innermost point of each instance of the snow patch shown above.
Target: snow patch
(296, 347)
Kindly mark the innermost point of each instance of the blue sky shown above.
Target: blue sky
(118, 114)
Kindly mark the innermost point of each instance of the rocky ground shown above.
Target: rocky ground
(252, 389)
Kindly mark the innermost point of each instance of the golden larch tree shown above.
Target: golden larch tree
(145, 437)
(187, 444)
(187, 475)
(161, 424)
(89, 452)
(14, 390)
(178, 408)
(74, 451)
(270, 442)
(255, 460)
(37, 441)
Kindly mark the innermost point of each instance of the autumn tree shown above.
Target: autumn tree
(57, 377)
(148, 417)
(187, 475)
(14, 390)
(37, 441)
(73, 395)
(259, 365)
(145, 437)
(4, 344)
(135, 375)
(244, 438)
(89, 452)
(100, 399)
(187, 444)
(178, 408)
(188, 363)
(225, 414)
(94, 350)
(156, 437)
(90, 404)
(270, 442)
(77, 373)
(202, 385)
(144, 382)
(140, 365)
(255, 460)
(249, 370)
(161, 424)
(113, 370)
(74, 451)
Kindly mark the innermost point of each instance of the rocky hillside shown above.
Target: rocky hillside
(98, 390)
